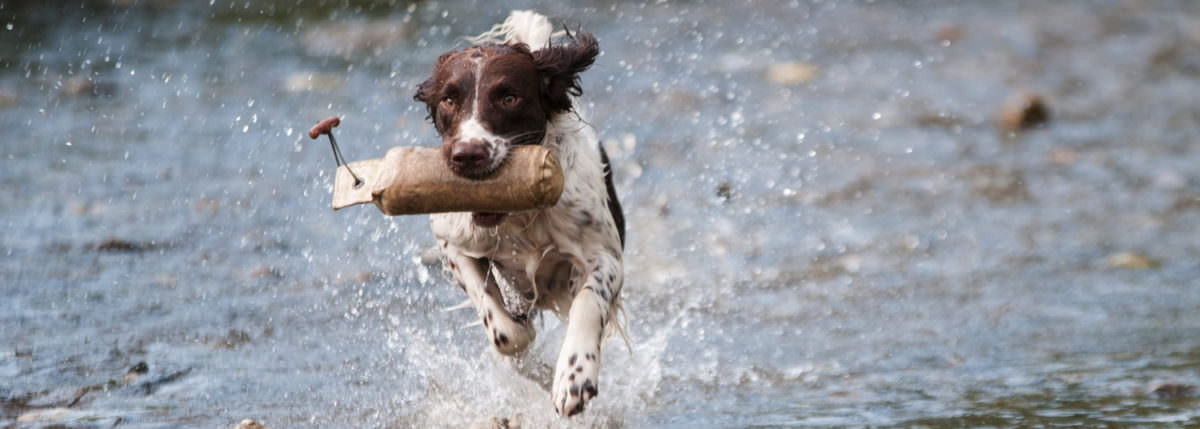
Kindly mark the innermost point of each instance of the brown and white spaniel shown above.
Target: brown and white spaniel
(515, 86)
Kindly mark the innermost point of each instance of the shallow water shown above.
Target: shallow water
(863, 248)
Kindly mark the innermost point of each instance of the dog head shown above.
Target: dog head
(484, 100)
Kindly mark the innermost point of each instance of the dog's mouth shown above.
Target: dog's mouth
(476, 173)
(487, 220)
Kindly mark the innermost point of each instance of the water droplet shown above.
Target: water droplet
(250, 103)
(68, 143)
(876, 116)
(245, 128)
(9, 26)
(288, 132)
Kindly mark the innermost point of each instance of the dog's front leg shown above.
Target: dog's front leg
(508, 335)
(576, 376)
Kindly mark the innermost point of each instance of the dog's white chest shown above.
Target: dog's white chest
(532, 254)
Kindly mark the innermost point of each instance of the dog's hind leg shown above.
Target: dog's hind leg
(508, 335)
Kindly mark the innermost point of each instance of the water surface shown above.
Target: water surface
(863, 247)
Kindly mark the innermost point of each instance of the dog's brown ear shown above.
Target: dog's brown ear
(560, 66)
(427, 90)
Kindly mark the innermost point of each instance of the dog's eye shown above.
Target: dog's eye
(449, 102)
(510, 100)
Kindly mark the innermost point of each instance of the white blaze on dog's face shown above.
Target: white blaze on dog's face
(485, 99)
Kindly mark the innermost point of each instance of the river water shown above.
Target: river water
(826, 226)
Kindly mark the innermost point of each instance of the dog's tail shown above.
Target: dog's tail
(522, 26)
(618, 325)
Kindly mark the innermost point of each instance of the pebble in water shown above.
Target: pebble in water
(250, 424)
(1131, 261)
(791, 73)
(1023, 112)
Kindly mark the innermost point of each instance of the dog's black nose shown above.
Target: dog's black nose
(469, 155)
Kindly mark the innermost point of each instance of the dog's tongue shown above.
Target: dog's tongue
(487, 219)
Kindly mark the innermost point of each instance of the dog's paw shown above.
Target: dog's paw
(576, 381)
(509, 336)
